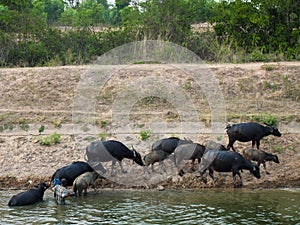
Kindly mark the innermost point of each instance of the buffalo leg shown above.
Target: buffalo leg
(204, 180)
(122, 169)
(257, 144)
(163, 166)
(152, 168)
(211, 174)
(113, 167)
(264, 164)
(253, 143)
(230, 145)
(240, 184)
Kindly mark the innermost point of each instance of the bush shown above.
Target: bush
(48, 140)
(266, 118)
(145, 134)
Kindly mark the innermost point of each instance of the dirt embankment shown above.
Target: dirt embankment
(144, 101)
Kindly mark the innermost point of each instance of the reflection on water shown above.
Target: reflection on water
(166, 207)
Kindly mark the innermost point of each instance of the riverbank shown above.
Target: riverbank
(32, 97)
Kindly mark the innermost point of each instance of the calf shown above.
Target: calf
(71, 171)
(225, 161)
(155, 156)
(260, 157)
(190, 151)
(111, 150)
(82, 182)
(29, 197)
(168, 144)
(245, 132)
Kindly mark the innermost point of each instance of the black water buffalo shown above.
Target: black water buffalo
(71, 171)
(190, 151)
(29, 197)
(226, 161)
(111, 150)
(212, 145)
(155, 156)
(260, 157)
(169, 144)
(245, 132)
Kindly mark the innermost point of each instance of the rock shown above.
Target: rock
(160, 188)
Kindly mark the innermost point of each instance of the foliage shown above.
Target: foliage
(6, 127)
(145, 134)
(270, 26)
(53, 9)
(48, 140)
(59, 32)
(266, 118)
(103, 135)
(24, 127)
(165, 20)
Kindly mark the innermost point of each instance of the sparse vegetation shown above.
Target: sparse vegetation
(187, 85)
(57, 123)
(103, 136)
(6, 127)
(291, 90)
(48, 140)
(103, 123)
(267, 85)
(89, 138)
(85, 128)
(245, 84)
(266, 118)
(277, 148)
(145, 134)
(24, 127)
(269, 67)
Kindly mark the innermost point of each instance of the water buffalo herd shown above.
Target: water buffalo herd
(212, 157)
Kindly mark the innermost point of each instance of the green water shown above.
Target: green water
(165, 207)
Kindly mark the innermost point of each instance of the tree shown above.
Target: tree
(271, 25)
(167, 19)
(54, 9)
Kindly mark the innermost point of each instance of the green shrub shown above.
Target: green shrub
(48, 140)
(24, 127)
(103, 136)
(103, 123)
(145, 134)
(265, 118)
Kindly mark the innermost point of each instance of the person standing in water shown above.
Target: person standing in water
(61, 192)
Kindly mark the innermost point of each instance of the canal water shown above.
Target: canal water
(235, 206)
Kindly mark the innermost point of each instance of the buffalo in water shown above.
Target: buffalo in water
(29, 197)
(71, 171)
(82, 182)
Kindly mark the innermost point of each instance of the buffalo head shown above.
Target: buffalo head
(137, 157)
(273, 130)
(275, 159)
(255, 171)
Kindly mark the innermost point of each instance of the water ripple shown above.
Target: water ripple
(167, 207)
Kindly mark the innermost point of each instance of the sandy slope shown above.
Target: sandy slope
(159, 98)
